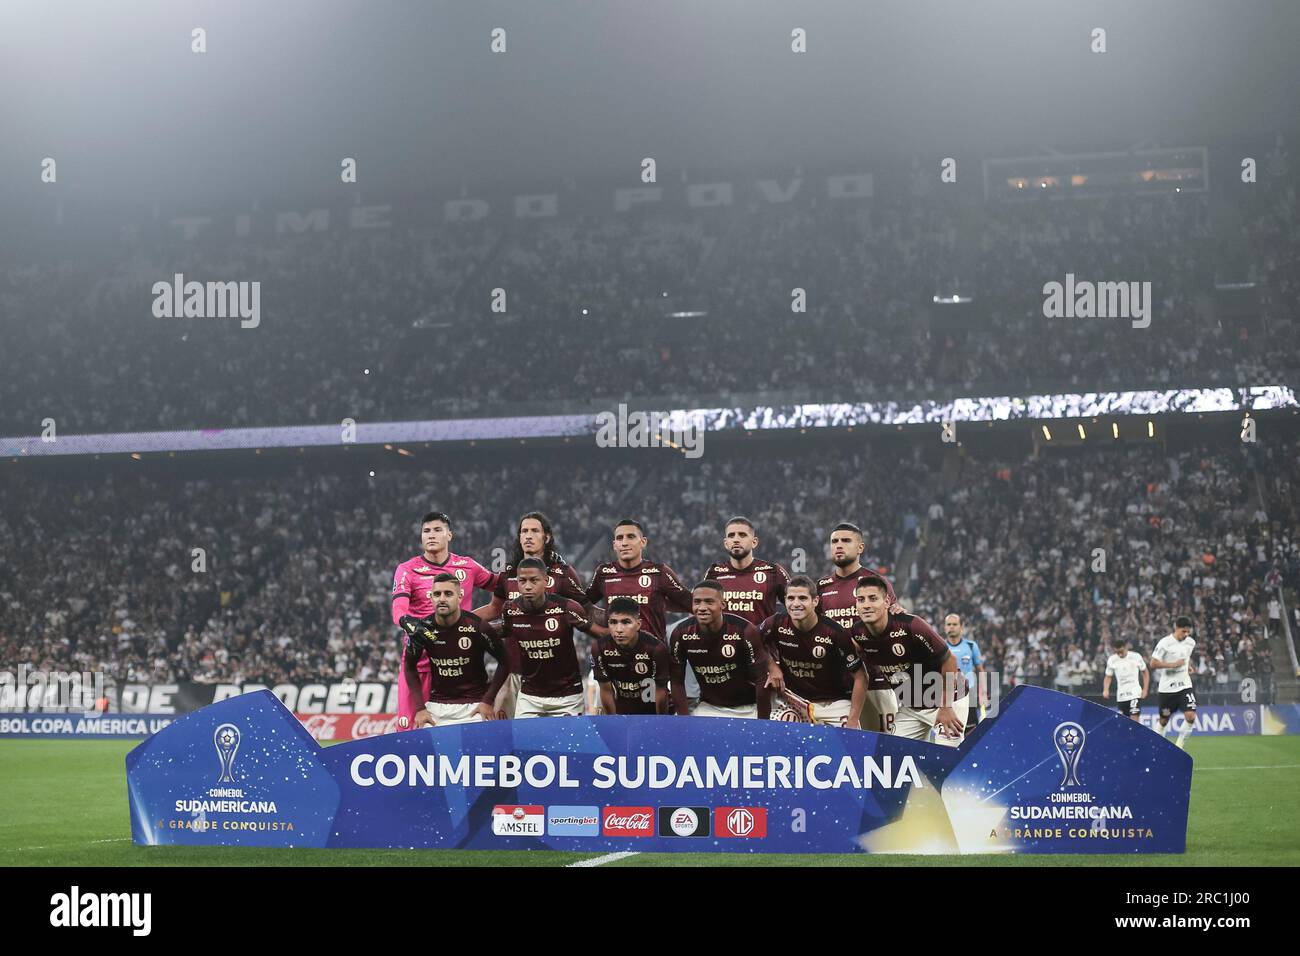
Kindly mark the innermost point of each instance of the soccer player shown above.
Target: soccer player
(970, 663)
(816, 658)
(534, 539)
(537, 630)
(655, 587)
(892, 643)
(454, 641)
(631, 668)
(836, 602)
(754, 587)
(1124, 668)
(412, 582)
(727, 656)
(1170, 658)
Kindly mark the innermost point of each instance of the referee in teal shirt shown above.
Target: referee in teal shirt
(968, 657)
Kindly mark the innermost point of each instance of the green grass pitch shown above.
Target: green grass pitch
(63, 803)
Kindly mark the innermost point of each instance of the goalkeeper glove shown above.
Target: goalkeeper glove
(419, 629)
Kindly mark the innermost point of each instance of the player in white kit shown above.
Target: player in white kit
(1125, 668)
(1171, 658)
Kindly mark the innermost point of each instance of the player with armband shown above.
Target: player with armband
(813, 658)
(454, 642)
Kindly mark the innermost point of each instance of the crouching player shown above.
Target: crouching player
(727, 656)
(453, 642)
(631, 668)
(815, 659)
(897, 645)
(537, 629)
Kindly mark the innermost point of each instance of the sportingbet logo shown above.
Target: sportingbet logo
(627, 822)
(684, 821)
(75, 909)
(518, 821)
(740, 822)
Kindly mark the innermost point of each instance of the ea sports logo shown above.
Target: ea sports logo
(644, 580)
(760, 577)
(465, 643)
(640, 667)
(899, 649)
(552, 624)
(740, 822)
(684, 821)
(728, 650)
(819, 651)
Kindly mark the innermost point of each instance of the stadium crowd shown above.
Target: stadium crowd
(656, 307)
(101, 573)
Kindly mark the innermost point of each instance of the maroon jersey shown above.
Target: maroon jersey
(724, 662)
(561, 579)
(835, 598)
(908, 641)
(455, 655)
(817, 664)
(541, 645)
(754, 592)
(634, 672)
(653, 586)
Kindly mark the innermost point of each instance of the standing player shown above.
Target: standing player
(970, 663)
(631, 668)
(1125, 667)
(727, 656)
(891, 643)
(412, 582)
(537, 629)
(836, 601)
(816, 658)
(655, 587)
(454, 641)
(534, 539)
(753, 587)
(1170, 659)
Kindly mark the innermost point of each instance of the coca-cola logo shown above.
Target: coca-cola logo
(374, 726)
(321, 726)
(627, 821)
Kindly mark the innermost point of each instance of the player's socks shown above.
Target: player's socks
(1162, 729)
(1184, 734)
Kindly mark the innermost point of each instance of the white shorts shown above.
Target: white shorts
(830, 713)
(453, 713)
(917, 724)
(704, 709)
(508, 695)
(575, 705)
(880, 711)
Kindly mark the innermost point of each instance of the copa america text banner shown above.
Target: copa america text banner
(1050, 774)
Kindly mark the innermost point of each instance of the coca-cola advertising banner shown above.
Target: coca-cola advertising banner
(348, 726)
(1050, 773)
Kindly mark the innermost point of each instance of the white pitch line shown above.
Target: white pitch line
(50, 846)
(607, 858)
(1262, 766)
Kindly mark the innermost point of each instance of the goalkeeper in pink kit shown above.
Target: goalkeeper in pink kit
(412, 583)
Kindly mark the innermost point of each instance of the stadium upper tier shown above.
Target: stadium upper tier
(661, 310)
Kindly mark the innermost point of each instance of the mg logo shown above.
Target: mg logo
(740, 822)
